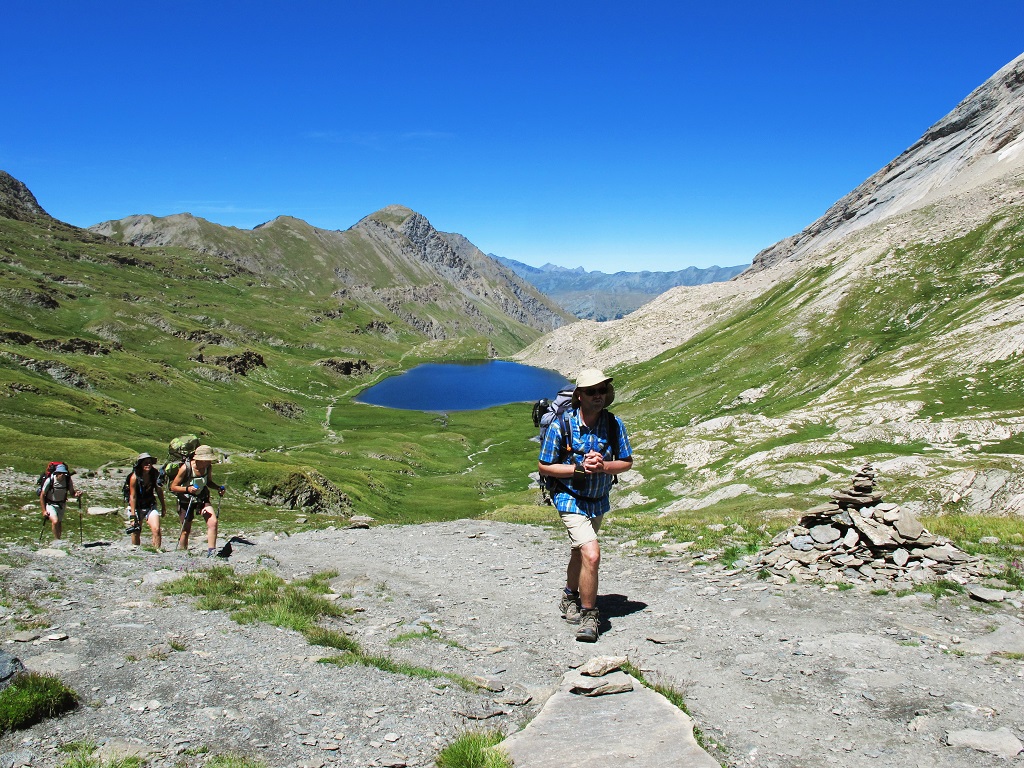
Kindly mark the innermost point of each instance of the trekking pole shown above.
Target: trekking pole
(184, 521)
(79, 521)
(46, 519)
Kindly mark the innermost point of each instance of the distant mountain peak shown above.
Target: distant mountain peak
(390, 215)
(16, 201)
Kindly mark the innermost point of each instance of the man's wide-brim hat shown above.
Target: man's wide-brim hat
(591, 377)
(205, 453)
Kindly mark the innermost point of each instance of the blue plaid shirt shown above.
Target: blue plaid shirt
(592, 498)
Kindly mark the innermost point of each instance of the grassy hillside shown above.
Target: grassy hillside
(109, 350)
(910, 362)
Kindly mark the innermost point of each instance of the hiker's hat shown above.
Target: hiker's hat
(205, 453)
(143, 457)
(60, 469)
(591, 377)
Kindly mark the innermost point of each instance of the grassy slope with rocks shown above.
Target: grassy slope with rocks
(107, 350)
(904, 356)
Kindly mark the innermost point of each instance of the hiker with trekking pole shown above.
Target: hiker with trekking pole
(583, 452)
(142, 488)
(56, 489)
(192, 484)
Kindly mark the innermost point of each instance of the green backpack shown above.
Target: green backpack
(179, 451)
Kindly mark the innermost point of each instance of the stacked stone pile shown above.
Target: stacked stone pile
(857, 537)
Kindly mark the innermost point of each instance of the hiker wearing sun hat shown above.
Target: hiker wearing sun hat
(53, 497)
(582, 453)
(192, 483)
(143, 488)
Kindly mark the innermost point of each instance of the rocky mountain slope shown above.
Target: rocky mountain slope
(891, 329)
(393, 256)
(600, 296)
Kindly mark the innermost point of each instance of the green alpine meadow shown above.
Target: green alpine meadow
(894, 341)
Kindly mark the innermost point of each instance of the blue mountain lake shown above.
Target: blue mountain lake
(463, 386)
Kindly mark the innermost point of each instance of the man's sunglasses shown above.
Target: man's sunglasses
(591, 391)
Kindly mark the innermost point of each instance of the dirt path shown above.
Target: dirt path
(783, 676)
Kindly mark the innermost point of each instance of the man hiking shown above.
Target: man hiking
(144, 488)
(192, 483)
(53, 497)
(582, 452)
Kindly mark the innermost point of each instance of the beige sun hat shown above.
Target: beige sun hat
(205, 453)
(591, 377)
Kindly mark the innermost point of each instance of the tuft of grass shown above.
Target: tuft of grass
(330, 638)
(31, 698)
(940, 588)
(85, 759)
(424, 634)
(387, 664)
(475, 749)
(844, 586)
(879, 592)
(1012, 574)
(261, 596)
(234, 761)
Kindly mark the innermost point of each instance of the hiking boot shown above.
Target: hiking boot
(590, 621)
(569, 607)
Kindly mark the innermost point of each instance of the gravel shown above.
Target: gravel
(777, 675)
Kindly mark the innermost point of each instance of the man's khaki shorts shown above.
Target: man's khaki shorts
(581, 529)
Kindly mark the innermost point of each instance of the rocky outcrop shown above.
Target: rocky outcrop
(310, 491)
(240, 364)
(346, 367)
(17, 202)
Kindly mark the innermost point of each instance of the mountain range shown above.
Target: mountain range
(890, 332)
(601, 296)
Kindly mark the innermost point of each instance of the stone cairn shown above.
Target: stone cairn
(861, 539)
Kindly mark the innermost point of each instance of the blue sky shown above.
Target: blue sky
(616, 136)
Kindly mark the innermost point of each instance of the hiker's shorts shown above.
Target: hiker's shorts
(55, 512)
(581, 529)
(143, 513)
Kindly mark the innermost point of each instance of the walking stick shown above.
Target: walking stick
(79, 521)
(46, 519)
(184, 520)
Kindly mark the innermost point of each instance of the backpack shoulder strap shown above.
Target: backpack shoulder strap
(613, 434)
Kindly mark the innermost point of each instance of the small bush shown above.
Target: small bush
(32, 697)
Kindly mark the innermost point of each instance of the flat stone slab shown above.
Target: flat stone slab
(1009, 638)
(639, 728)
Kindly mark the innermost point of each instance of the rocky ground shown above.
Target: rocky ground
(779, 675)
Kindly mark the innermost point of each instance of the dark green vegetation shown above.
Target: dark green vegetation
(298, 605)
(31, 698)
